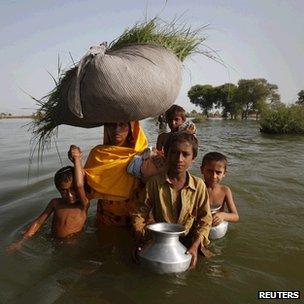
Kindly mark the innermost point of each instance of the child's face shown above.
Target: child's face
(67, 191)
(176, 121)
(213, 172)
(180, 157)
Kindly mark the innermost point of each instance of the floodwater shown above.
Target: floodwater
(263, 251)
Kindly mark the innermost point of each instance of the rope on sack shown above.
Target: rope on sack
(76, 107)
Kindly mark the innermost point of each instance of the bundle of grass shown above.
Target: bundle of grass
(283, 120)
(137, 76)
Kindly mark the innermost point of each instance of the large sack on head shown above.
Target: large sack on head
(131, 83)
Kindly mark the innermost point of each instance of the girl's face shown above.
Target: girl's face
(213, 172)
(118, 133)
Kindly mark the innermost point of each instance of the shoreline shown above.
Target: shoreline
(17, 116)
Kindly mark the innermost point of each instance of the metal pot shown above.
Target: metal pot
(217, 232)
(165, 253)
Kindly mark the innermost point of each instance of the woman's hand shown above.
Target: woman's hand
(218, 218)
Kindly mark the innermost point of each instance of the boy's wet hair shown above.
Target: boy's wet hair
(173, 111)
(214, 156)
(64, 174)
(179, 137)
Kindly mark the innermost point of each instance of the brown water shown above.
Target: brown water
(263, 251)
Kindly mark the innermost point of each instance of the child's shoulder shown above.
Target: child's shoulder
(225, 189)
(55, 201)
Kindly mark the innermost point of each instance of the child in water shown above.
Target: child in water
(176, 119)
(176, 196)
(69, 210)
(214, 168)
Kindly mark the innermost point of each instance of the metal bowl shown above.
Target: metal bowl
(218, 231)
(166, 228)
(165, 253)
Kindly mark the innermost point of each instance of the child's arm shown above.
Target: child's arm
(33, 228)
(231, 215)
(160, 141)
(76, 155)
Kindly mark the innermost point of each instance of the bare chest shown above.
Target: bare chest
(69, 216)
(216, 198)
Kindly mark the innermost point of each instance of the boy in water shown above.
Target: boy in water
(69, 210)
(214, 168)
(176, 196)
(175, 117)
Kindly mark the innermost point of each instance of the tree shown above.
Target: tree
(300, 100)
(224, 98)
(202, 96)
(253, 94)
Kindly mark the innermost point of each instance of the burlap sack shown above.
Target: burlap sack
(131, 83)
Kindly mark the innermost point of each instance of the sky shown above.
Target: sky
(254, 38)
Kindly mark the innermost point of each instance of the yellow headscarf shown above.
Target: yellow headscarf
(106, 167)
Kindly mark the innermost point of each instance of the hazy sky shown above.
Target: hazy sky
(256, 38)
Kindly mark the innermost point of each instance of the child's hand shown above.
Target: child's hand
(135, 253)
(191, 129)
(139, 240)
(193, 251)
(74, 153)
(12, 248)
(218, 218)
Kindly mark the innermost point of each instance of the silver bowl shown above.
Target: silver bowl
(165, 253)
(217, 232)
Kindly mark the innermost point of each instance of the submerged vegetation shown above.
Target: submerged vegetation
(283, 120)
(248, 97)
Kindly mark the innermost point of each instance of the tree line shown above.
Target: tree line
(249, 96)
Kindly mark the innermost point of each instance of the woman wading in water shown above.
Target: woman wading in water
(106, 172)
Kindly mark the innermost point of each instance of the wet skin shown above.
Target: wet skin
(69, 214)
(219, 195)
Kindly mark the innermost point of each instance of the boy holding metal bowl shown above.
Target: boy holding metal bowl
(176, 196)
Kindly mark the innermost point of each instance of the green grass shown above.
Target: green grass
(182, 40)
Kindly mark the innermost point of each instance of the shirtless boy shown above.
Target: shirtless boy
(176, 196)
(70, 210)
(175, 117)
(214, 168)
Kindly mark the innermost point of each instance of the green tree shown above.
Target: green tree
(253, 94)
(300, 100)
(224, 99)
(202, 96)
